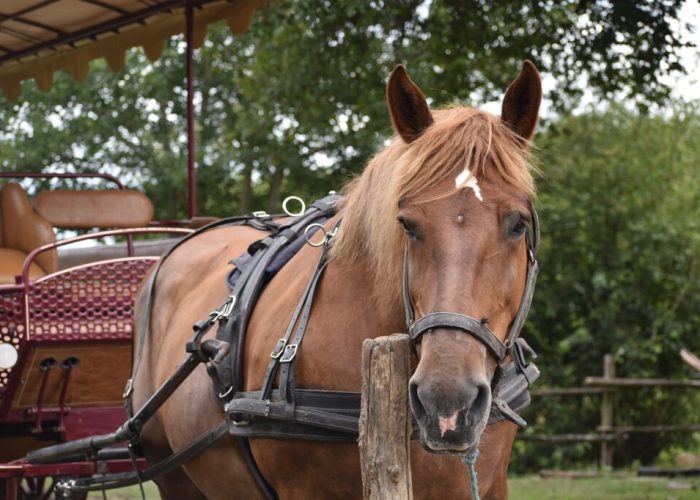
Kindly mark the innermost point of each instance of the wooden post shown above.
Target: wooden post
(607, 415)
(385, 420)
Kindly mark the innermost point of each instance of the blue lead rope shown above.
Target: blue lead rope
(469, 461)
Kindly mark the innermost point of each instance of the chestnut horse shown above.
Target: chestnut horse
(453, 188)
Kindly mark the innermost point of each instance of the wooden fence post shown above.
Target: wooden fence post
(607, 413)
(385, 420)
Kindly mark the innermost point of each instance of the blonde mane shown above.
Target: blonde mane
(460, 138)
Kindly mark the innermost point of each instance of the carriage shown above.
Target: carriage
(68, 322)
(66, 318)
(66, 305)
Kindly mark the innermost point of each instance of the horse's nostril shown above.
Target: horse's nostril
(480, 403)
(416, 404)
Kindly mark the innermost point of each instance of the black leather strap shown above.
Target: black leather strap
(244, 445)
(278, 410)
(175, 460)
(406, 292)
(288, 358)
(280, 348)
(525, 303)
(461, 322)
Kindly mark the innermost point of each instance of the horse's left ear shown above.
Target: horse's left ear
(409, 110)
(521, 104)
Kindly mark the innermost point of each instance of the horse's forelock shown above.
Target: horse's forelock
(461, 137)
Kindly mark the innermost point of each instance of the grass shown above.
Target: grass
(600, 488)
(130, 493)
(535, 488)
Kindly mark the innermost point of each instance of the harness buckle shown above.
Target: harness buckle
(290, 352)
(279, 349)
(261, 214)
(222, 395)
(327, 235)
(240, 423)
(225, 310)
(128, 389)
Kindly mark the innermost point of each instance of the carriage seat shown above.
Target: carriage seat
(21, 231)
(102, 208)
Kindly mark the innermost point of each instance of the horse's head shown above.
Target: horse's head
(463, 189)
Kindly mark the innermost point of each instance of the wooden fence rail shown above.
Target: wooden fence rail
(607, 433)
(385, 419)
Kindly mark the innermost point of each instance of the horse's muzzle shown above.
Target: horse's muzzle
(451, 419)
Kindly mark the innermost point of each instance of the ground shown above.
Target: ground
(602, 488)
(536, 488)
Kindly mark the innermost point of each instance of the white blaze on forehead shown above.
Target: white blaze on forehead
(466, 180)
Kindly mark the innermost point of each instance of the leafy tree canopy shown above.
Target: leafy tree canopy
(620, 204)
(296, 106)
(297, 103)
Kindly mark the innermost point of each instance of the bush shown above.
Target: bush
(620, 210)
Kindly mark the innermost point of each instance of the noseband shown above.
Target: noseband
(474, 327)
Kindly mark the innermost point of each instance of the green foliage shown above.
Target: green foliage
(620, 214)
(296, 105)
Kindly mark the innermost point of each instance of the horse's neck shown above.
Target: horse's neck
(349, 290)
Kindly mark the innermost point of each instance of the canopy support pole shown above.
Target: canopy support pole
(191, 185)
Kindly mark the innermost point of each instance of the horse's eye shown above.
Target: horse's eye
(519, 226)
(408, 227)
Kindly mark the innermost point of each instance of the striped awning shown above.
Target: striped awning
(39, 37)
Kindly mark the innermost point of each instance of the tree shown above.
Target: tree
(296, 105)
(620, 211)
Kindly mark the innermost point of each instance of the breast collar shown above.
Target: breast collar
(472, 326)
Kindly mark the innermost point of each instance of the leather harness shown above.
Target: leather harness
(315, 414)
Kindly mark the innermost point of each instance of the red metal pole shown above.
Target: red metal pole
(191, 186)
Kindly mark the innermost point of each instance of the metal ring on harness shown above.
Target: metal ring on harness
(222, 395)
(307, 237)
(297, 199)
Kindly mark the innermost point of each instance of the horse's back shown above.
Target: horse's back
(190, 283)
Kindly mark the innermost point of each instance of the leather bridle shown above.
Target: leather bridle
(474, 327)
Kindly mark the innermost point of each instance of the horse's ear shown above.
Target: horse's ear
(521, 104)
(407, 105)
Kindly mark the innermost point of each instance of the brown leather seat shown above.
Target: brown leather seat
(103, 208)
(21, 231)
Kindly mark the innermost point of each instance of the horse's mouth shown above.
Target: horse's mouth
(450, 443)
(442, 448)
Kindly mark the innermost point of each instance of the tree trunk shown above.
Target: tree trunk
(246, 197)
(273, 197)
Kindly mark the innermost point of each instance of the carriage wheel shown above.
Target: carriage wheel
(37, 488)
